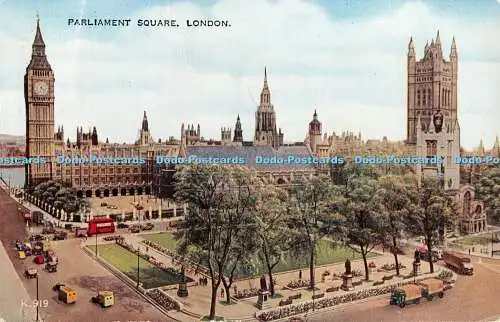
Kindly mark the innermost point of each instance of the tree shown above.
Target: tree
(488, 190)
(428, 214)
(312, 215)
(362, 218)
(275, 236)
(216, 223)
(239, 209)
(395, 201)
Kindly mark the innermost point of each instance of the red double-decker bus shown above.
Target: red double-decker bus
(101, 226)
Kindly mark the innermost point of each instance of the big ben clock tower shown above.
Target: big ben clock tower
(39, 100)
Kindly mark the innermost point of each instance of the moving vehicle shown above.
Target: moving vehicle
(58, 286)
(31, 273)
(81, 232)
(406, 294)
(51, 267)
(37, 217)
(67, 294)
(101, 226)
(459, 262)
(432, 287)
(21, 255)
(39, 260)
(123, 225)
(104, 299)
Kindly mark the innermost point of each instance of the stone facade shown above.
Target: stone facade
(90, 179)
(432, 86)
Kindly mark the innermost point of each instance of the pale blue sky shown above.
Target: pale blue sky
(347, 59)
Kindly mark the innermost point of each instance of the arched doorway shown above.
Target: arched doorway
(79, 194)
(115, 192)
(123, 192)
(88, 193)
(131, 191)
(106, 193)
(281, 181)
(148, 190)
(466, 204)
(139, 191)
(98, 193)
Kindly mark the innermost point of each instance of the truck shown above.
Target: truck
(459, 262)
(37, 217)
(432, 287)
(406, 294)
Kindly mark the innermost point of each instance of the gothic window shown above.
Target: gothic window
(443, 91)
(429, 100)
(478, 209)
(418, 97)
(466, 203)
(431, 148)
(448, 97)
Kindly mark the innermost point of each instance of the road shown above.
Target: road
(77, 270)
(474, 298)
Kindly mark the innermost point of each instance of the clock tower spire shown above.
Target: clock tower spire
(39, 104)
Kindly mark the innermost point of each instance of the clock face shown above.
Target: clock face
(41, 88)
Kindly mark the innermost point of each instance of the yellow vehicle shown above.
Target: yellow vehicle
(22, 255)
(104, 298)
(432, 287)
(67, 295)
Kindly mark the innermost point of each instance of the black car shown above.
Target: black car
(122, 225)
(148, 226)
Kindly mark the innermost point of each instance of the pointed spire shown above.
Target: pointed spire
(432, 42)
(497, 142)
(145, 125)
(238, 118)
(265, 77)
(453, 51)
(438, 39)
(432, 128)
(38, 36)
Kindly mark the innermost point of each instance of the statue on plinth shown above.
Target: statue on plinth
(348, 267)
(347, 277)
(262, 302)
(263, 283)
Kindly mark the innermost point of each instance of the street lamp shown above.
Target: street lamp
(37, 300)
(138, 257)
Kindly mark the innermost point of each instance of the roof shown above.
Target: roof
(252, 154)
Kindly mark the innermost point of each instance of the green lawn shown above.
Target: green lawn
(149, 275)
(474, 240)
(164, 239)
(325, 255)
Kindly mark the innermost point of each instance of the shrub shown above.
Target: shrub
(295, 297)
(298, 284)
(285, 302)
(318, 296)
(332, 289)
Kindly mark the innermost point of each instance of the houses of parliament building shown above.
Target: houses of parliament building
(432, 130)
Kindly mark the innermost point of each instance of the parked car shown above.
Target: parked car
(61, 235)
(135, 229)
(123, 225)
(48, 230)
(148, 226)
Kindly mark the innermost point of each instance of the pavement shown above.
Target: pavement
(15, 302)
(474, 298)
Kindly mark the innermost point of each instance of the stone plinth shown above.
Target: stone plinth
(263, 301)
(347, 282)
(416, 268)
(182, 291)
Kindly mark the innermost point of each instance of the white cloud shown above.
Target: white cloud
(353, 73)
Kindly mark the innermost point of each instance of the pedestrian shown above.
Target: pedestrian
(469, 251)
(300, 275)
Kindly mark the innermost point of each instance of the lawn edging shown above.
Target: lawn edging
(329, 303)
(132, 284)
